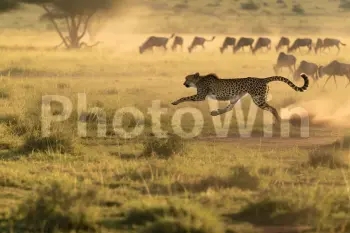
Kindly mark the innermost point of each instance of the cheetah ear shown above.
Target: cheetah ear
(196, 74)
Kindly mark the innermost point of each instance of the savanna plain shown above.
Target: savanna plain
(204, 184)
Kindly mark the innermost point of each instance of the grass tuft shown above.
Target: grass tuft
(250, 5)
(58, 207)
(275, 212)
(57, 142)
(4, 93)
(163, 147)
(173, 216)
(298, 9)
(345, 5)
(327, 158)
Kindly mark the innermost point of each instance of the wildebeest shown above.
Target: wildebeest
(329, 42)
(242, 42)
(309, 68)
(178, 41)
(319, 45)
(262, 42)
(301, 42)
(284, 41)
(229, 41)
(198, 41)
(335, 68)
(155, 41)
(285, 60)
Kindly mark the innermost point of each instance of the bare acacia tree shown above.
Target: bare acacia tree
(75, 15)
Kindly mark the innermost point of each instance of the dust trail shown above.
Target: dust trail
(331, 109)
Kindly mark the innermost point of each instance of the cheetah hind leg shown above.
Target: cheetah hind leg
(261, 103)
(229, 107)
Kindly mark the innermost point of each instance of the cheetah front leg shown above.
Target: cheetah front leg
(229, 107)
(198, 97)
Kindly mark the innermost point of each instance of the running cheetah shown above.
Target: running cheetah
(234, 89)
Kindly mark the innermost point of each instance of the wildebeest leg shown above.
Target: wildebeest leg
(348, 76)
(291, 69)
(251, 48)
(300, 50)
(335, 81)
(327, 80)
(315, 79)
(203, 46)
(338, 48)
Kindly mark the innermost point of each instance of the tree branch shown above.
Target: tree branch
(86, 25)
(68, 25)
(79, 21)
(56, 26)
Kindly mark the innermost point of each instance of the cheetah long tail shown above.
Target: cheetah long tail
(291, 84)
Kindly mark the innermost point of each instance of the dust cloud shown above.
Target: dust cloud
(327, 109)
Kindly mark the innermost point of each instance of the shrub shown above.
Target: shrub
(58, 207)
(109, 91)
(163, 147)
(326, 158)
(345, 5)
(298, 9)
(62, 85)
(343, 143)
(174, 217)
(242, 178)
(180, 6)
(250, 5)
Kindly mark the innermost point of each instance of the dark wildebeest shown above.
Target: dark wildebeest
(243, 42)
(262, 42)
(198, 41)
(335, 68)
(285, 60)
(284, 41)
(178, 41)
(229, 41)
(319, 45)
(301, 42)
(310, 69)
(329, 42)
(155, 41)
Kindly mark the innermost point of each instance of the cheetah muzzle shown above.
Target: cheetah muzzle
(211, 86)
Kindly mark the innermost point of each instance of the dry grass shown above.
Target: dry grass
(215, 186)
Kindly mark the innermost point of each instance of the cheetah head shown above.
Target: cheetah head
(191, 80)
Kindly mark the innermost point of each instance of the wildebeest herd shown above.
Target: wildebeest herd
(284, 60)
